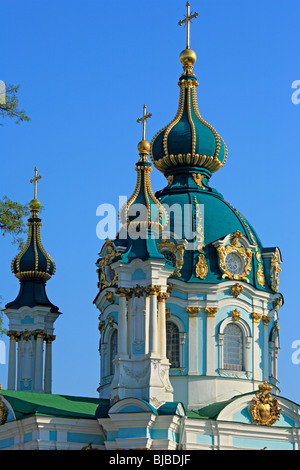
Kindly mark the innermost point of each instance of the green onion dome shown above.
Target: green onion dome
(33, 262)
(188, 140)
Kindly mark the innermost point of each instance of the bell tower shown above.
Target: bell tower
(31, 315)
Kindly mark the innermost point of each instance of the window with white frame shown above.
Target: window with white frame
(173, 344)
(233, 347)
(113, 349)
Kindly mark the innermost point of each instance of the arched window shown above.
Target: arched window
(113, 349)
(173, 350)
(233, 347)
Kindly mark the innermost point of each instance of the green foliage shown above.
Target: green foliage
(10, 107)
(12, 216)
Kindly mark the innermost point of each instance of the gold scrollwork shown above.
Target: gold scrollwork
(236, 314)
(232, 247)
(236, 290)
(201, 266)
(197, 177)
(152, 290)
(138, 291)
(110, 297)
(264, 410)
(104, 263)
(177, 250)
(260, 273)
(275, 270)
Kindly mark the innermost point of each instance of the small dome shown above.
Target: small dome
(188, 140)
(33, 262)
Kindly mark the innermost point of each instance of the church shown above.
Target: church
(188, 302)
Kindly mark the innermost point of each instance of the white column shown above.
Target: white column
(162, 323)
(147, 315)
(11, 381)
(153, 325)
(256, 356)
(48, 364)
(39, 339)
(193, 340)
(122, 321)
(129, 323)
(210, 340)
(266, 321)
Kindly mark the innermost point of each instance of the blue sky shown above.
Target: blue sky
(85, 69)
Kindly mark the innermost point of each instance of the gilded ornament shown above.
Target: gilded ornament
(235, 247)
(266, 320)
(277, 304)
(236, 290)
(152, 290)
(103, 265)
(170, 179)
(163, 296)
(124, 292)
(264, 410)
(211, 311)
(170, 288)
(201, 269)
(178, 251)
(110, 297)
(138, 291)
(260, 273)
(275, 270)
(198, 179)
(192, 311)
(111, 321)
(101, 325)
(256, 317)
(236, 314)
(26, 335)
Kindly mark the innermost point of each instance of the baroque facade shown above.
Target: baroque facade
(188, 301)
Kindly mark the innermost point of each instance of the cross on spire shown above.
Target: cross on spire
(143, 120)
(187, 20)
(35, 180)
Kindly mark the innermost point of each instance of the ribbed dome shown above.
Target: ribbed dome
(33, 262)
(188, 140)
(211, 218)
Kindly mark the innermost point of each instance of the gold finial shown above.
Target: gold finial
(144, 146)
(188, 57)
(187, 20)
(35, 180)
(35, 204)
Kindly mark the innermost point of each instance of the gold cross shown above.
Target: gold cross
(143, 120)
(35, 180)
(188, 18)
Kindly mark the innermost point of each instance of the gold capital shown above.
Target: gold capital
(266, 320)
(192, 311)
(211, 311)
(152, 290)
(162, 296)
(256, 317)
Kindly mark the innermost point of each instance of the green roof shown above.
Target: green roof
(27, 404)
